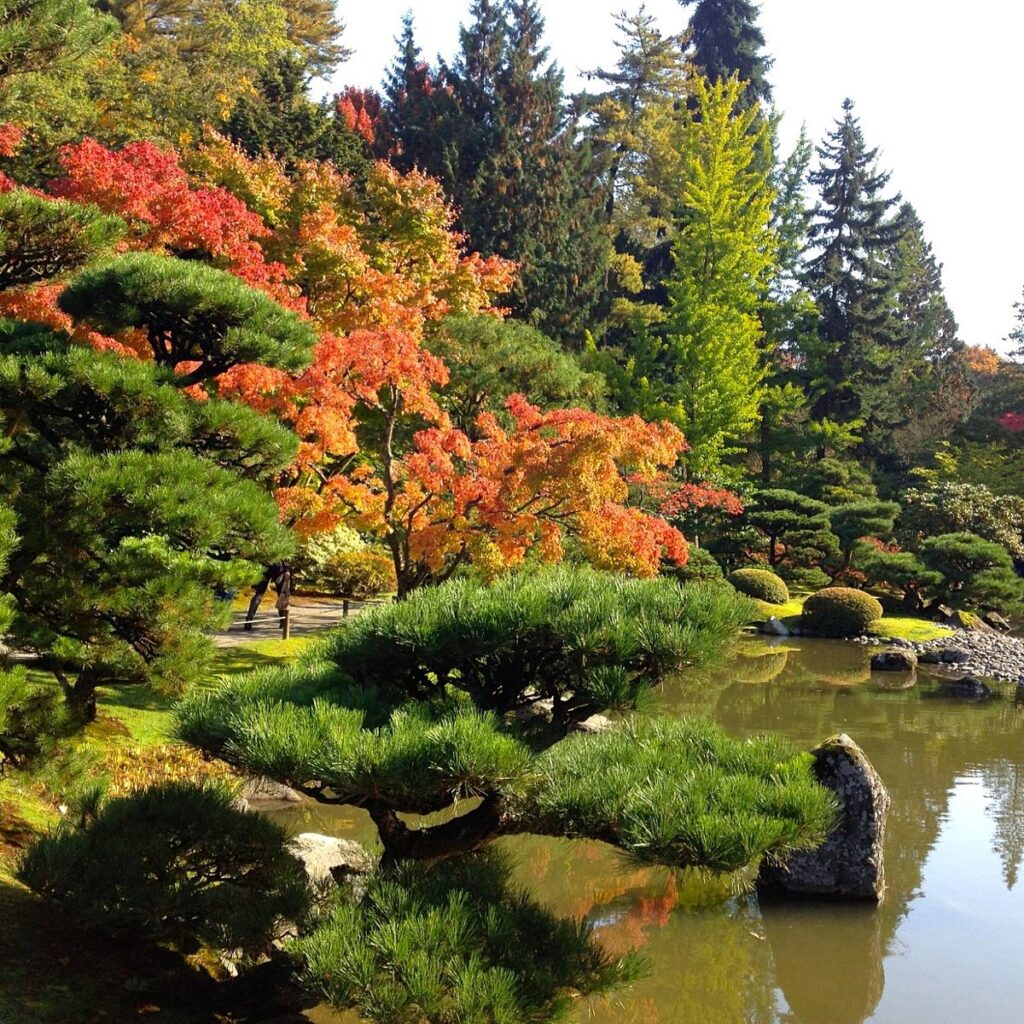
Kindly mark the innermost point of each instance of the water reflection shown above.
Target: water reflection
(943, 948)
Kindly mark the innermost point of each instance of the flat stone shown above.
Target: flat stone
(596, 724)
(849, 865)
(260, 789)
(328, 858)
(894, 660)
(996, 621)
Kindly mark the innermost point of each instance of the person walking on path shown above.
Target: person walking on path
(280, 575)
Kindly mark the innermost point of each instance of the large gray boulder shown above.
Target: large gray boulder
(849, 865)
(969, 688)
(894, 660)
(775, 627)
(328, 858)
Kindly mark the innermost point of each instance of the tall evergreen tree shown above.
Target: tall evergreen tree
(279, 119)
(853, 232)
(635, 124)
(726, 40)
(495, 128)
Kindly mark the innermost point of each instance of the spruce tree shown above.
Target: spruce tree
(726, 40)
(849, 276)
(279, 119)
(495, 128)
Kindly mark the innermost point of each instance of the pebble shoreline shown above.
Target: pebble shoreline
(990, 655)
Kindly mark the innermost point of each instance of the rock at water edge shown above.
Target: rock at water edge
(895, 660)
(849, 865)
(326, 857)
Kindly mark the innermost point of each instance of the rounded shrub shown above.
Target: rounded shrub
(840, 612)
(701, 567)
(760, 584)
(359, 574)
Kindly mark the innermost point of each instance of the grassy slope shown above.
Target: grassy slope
(49, 977)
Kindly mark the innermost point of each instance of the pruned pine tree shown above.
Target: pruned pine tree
(135, 507)
(190, 313)
(421, 705)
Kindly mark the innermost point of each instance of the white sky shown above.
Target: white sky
(936, 84)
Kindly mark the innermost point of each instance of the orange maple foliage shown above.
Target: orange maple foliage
(373, 265)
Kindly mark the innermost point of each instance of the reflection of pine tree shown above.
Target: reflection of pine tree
(1005, 783)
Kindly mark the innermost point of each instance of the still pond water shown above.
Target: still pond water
(946, 947)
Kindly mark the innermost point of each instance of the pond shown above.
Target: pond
(945, 947)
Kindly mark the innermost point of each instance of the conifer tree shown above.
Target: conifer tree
(635, 125)
(495, 128)
(724, 259)
(279, 119)
(853, 232)
(726, 40)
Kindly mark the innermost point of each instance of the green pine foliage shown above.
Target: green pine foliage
(42, 238)
(190, 313)
(791, 525)
(976, 573)
(176, 864)
(584, 639)
(684, 793)
(134, 506)
(458, 946)
(490, 359)
(858, 520)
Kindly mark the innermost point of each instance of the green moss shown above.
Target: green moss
(919, 631)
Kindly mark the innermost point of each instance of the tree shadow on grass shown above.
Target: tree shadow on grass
(55, 972)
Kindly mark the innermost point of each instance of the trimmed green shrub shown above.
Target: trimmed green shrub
(760, 584)
(701, 567)
(359, 574)
(840, 612)
(177, 863)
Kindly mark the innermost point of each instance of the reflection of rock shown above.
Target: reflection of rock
(969, 688)
(849, 864)
(895, 660)
(762, 668)
(893, 682)
(326, 858)
(846, 980)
